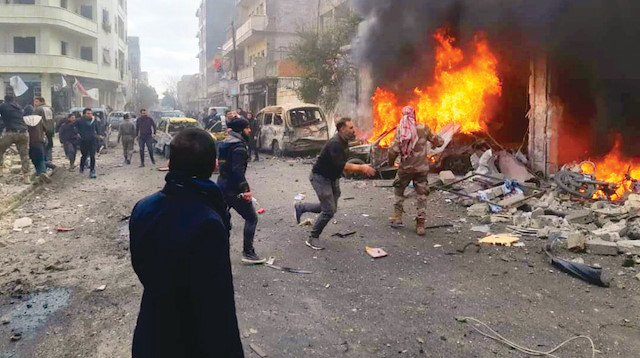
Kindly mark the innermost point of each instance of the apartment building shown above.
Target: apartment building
(264, 31)
(46, 41)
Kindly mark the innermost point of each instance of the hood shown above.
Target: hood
(32, 120)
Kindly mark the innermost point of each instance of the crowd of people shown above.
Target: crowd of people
(180, 235)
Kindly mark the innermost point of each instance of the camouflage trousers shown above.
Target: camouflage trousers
(21, 140)
(421, 186)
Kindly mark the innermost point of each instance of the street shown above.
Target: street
(74, 293)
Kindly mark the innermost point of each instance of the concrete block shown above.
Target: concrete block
(478, 210)
(537, 213)
(601, 247)
(610, 236)
(16, 169)
(629, 246)
(513, 199)
(521, 221)
(633, 202)
(547, 221)
(576, 240)
(447, 177)
(583, 217)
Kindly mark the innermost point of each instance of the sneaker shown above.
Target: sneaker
(250, 258)
(44, 178)
(297, 212)
(92, 175)
(312, 242)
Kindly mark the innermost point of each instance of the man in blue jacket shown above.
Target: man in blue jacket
(233, 166)
(180, 252)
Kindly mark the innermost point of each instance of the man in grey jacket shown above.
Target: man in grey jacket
(127, 133)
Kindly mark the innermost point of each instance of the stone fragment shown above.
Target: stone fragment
(601, 247)
(511, 200)
(16, 169)
(521, 221)
(22, 223)
(633, 230)
(583, 217)
(610, 236)
(575, 241)
(447, 177)
(629, 246)
(547, 221)
(633, 203)
(478, 210)
(537, 213)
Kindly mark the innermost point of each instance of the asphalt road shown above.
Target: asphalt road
(350, 306)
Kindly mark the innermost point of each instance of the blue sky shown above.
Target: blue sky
(167, 31)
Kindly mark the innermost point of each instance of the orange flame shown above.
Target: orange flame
(458, 95)
(615, 168)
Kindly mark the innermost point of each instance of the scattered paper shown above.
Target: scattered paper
(500, 239)
(375, 252)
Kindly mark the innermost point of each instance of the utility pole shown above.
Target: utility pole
(235, 63)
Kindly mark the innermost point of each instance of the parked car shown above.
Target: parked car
(218, 131)
(115, 118)
(158, 116)
(292, 128)
(168, 128)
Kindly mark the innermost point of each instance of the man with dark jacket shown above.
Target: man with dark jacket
(46, 112)
(180, 252)
(15, 132)
(234, 185)
(127, 133)
(88, 129)
(255, 130)
(69, 139)
(37, 143)
(145, 130)
(325, 179)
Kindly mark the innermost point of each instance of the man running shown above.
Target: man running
(46, 112)
(233, 166)
(145, 130)
(88, 129)
(325, 179)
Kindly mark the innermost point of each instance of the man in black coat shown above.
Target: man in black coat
(180, 252)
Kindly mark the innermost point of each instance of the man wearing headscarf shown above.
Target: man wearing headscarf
(410, 144)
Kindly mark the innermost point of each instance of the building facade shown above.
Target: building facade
(263, 32)
(50, 43)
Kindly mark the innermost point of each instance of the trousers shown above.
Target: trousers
(421, 186)
(328, 192)
(148, 142)
(88, 151)
(248, 213)
(37, 155)
(21, 140)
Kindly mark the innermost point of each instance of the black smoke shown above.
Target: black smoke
(592, 47)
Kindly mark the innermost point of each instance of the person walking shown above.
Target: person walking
(255, 130)
(145, 130)
(87, 127)
(410, 144)
(179, 239)
(37, 144)
(46, 112)
(69, 139)
(233, 166)
(325, 179)
(15, 132)
(127, 133)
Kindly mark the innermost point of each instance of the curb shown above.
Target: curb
(18, 199)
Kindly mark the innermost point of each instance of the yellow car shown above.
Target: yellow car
(218, 132)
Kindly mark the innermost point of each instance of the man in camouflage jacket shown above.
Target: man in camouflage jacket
(410, 144)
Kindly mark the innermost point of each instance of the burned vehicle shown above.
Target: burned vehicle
(292, 129)
(454, 155)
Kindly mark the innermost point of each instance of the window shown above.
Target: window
(25, 2)
(305, 116)
(106, 20)
(106, 56)
(268, 118)
(260, 118)
(277, 120)
(63, 48)
(86, 11)
(120, 28)
(24, 45)
(63, 4)
(86, 53)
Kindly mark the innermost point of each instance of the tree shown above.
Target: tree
(169, 100)
(146, 96)
(323, 63)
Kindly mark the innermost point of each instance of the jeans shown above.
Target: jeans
(88, 148)
(37, 155)
(248, 213)
(48, 153)
(21, 140)
(148, 142)
(328, 192)
(70, 150)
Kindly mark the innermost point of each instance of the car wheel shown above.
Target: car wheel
(166, 151)
(275, 149)
(354, 176)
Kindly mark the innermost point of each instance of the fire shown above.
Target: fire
(458, 94)
(615, 168)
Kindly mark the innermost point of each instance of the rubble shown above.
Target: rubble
(478, 210)
(447, 177)
(576, 240)
(601, 247)
(629, 246)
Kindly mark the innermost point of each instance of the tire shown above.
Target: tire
(166, 151)
(354, 176)
(275, 149)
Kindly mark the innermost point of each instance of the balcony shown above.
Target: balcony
(39, 15)
(263, 69)
(254, 25)
(37, 63)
